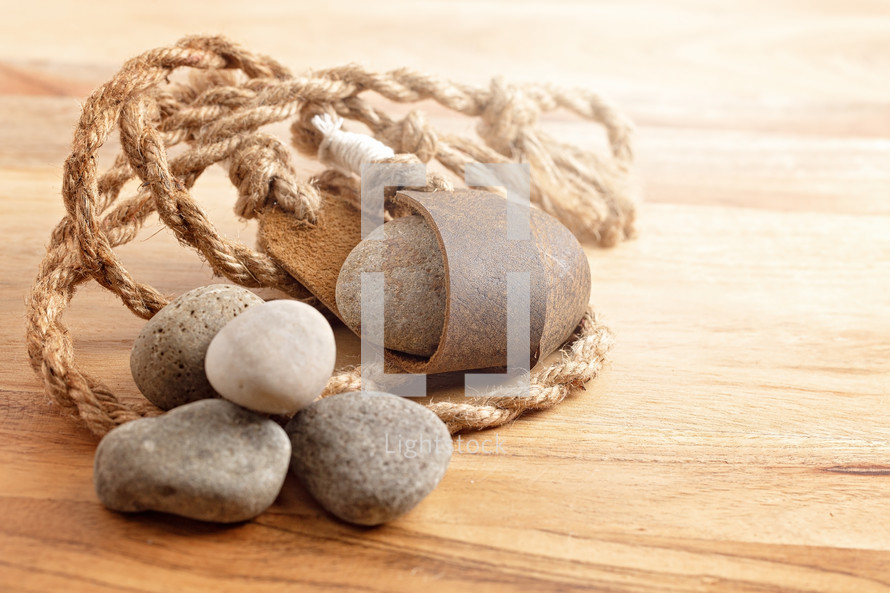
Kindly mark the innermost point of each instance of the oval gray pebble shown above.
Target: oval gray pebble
(167, 360)
(408, 254)
(369, 457)
(209, 460)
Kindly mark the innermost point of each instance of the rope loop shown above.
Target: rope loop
(219, 116)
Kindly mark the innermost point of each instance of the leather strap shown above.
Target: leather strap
(470, 226)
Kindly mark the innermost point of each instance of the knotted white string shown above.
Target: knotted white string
(347, 151)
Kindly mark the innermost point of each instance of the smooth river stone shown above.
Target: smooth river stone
(406, 251)
(369, 457)
(274, 358)
(209, 460)
(167, 360)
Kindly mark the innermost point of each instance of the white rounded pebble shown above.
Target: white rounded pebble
(274, 358)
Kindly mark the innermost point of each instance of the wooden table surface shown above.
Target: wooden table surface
(739, 439)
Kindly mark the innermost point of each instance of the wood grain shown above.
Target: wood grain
(739, 440)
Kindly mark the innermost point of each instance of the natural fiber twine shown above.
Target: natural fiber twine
(218, 116)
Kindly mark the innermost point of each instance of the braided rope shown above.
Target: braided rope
(218, 115)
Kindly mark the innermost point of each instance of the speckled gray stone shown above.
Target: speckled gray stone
(209, 460)
(274, 358)
(369, 457)
(167, 360)
(406, 251)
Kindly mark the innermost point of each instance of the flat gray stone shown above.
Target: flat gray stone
(209, 460)
(274, 358)
(369, 457)
(167, 360)
(408, 254)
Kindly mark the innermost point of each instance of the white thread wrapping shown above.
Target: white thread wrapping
(347, 151)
